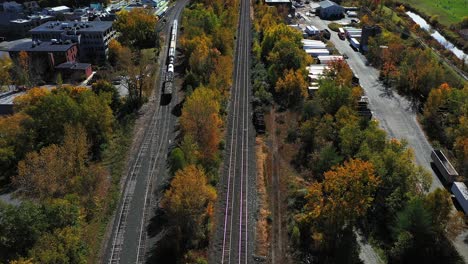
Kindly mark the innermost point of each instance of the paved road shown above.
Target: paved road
(128, 242)
(234, 237)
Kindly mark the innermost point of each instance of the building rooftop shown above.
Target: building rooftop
(73, 66)
(44, 46)
(91, 26)
(327, 3)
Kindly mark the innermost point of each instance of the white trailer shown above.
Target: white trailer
(312, 30)
(317, 52)
(314, 46)
(329, 58)
(354, 43)
(461, 194)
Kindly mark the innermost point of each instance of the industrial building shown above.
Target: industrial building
(92, 37)
(330, 10)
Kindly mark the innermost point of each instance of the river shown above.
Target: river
(437, 36)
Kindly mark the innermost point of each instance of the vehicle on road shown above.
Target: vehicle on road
(460, 191)
(354, 44)
(326, 34)
(444, 166)
(341, 33)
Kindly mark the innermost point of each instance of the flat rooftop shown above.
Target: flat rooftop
(44, 46)
(73, 66)
(91, 26)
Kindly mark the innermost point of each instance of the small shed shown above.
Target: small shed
(74, 71)
(330, 10)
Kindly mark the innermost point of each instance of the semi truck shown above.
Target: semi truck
(354, 43)
(444, 166)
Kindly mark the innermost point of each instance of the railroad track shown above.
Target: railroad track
(129, 237)
(233, 243)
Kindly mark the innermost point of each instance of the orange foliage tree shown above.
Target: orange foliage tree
(344, 196)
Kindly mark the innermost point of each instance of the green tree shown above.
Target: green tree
(333, 96)
(20, 227)
(177, 160)
(62, 246)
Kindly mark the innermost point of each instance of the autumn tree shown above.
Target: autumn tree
(334, 205)
(115, 51)
(5, 67)
(188, 203)
(292, 89)
(70, 105)
(13, 141)
(61, 246)
(200, 120)
(138, 28)
(22, 70)
(58, 170)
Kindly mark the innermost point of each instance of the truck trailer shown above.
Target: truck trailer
(444, 166)
(460, 192)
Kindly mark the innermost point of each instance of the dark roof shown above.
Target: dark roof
(91, 26)
(73, 66)
(327, 3)
(44, 46)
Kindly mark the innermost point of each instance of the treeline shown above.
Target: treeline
(416, 73)
(353, 178)
(207, 43)
(54, 146)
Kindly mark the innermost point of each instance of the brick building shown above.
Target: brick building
(92, 37)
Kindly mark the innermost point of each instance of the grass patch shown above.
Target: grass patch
(334, 26)
(449, 11)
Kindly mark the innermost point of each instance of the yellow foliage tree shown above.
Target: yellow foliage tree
(293, 88)
(200, 120)
(189, 201)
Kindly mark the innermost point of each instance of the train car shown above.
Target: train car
(171, 55)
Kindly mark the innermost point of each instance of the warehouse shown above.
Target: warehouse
(330, 10)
